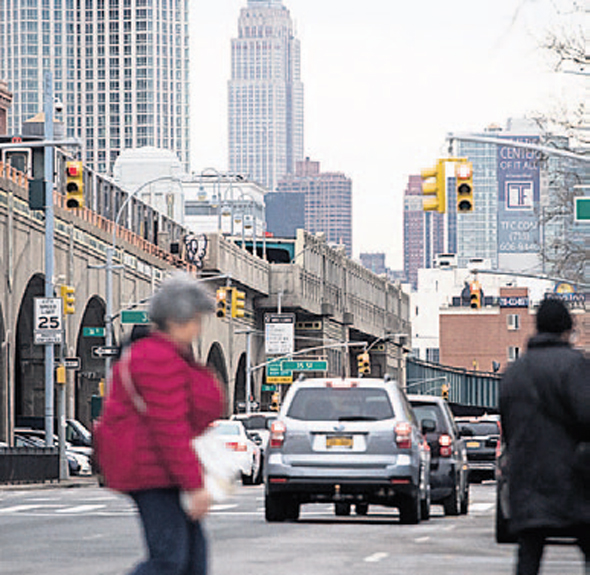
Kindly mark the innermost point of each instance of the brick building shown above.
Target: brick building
(476, 338)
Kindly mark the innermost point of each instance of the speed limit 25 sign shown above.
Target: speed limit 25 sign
(48, 328)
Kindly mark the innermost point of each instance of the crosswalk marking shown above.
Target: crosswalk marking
(80, 509)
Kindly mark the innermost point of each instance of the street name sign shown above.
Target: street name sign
(93, 332)
(48, 327)
(279, 333)
(102, 351)
(135, 316)
(582, 212)
(269, 387)
(69, 362)
(321, 365)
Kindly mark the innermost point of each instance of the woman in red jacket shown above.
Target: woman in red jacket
(153, 461)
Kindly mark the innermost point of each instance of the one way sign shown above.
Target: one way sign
(102, 351)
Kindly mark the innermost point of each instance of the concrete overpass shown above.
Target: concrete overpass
(334, 299)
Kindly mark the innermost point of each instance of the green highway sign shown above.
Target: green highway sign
(93, 332)
(134, 316)
(276, 369)
(268, 387)
(582, 212)
(321, 365)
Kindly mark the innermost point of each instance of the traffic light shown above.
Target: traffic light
(237, 303)
(464, 175)
(364, 363)
(434, 186)
(221, 302)
(74, 185)
(274, 406)
(475, 295)
(444, 391)
(68, 297)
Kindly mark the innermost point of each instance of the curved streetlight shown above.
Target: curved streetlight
(109, 267)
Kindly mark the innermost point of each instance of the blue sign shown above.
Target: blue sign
(519, 197)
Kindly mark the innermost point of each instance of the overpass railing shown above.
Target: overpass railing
(466, 387)
(14, 175)
(28, 464)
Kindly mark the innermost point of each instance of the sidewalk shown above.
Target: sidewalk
(70, 483)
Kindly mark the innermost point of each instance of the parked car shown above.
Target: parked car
(481, 437)
(349, 442)
(247, 453)
(448, 456)
(77, 434)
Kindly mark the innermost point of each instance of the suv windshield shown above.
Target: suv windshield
(430, 411)
(333, 404)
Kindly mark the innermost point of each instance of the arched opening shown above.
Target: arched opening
(216, 362)
(3, 381)
(29, 360)
(240, 388)
(92, 369)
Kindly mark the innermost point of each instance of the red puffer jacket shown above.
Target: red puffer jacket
(153, 450)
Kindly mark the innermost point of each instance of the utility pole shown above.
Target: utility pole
(49, 248)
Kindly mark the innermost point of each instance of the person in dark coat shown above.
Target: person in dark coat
(545, 411)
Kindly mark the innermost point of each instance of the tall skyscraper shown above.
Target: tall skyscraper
(424, 232)
(5, 102)
(328, 201)
(265, 95)
(120, 68)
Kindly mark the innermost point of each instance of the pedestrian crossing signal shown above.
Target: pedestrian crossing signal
(221, 303)
(475, 295)
(464, 175)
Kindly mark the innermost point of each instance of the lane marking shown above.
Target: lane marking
(376, 557)
(223, 507)
(81, 509)
(17, 508)
(481, 507)
(422, 539)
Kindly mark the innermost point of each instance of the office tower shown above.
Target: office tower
(120, 68)
(285, 213)
(328, 201)
(265, 95)
(424, 232)
(374, 262)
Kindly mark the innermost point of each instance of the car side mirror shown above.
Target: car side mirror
(428, 426)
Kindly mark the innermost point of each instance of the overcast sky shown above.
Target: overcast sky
(385, 81)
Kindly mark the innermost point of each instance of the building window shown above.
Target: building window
(433, 354)
(513, 321)
(513, 353)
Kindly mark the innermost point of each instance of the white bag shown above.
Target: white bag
(219, 465)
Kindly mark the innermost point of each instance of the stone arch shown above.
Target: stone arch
(92, 369)
(240, 387)
(29, 359)
(216, 362)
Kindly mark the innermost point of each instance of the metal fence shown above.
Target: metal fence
(465, 387)
(28, 464)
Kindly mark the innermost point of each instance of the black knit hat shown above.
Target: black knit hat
(553, 317)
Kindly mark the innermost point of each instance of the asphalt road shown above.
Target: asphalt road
(93, 531)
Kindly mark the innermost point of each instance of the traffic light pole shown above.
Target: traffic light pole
(49, 250)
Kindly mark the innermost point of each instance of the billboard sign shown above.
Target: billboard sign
(519, 196)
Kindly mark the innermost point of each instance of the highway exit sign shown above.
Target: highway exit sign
(582, 211)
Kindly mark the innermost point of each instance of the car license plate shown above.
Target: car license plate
(472, 444)
(344, 441)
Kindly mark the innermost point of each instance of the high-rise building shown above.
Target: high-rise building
(265, 95)
(5, 102)
(328, 201)
(374, 262)
(424, 232)
(120, 68)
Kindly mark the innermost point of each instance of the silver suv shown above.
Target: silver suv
(347, 441)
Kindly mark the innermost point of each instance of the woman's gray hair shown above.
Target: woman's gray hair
(179, 299)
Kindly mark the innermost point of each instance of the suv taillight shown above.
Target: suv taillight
(445, 443)
(403, 435)
(277, 433)
(236, 446)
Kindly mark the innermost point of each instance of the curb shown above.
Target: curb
(72, 483)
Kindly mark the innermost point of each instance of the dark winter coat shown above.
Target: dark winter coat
(545, 410)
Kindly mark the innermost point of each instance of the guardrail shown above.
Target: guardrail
(28, 464)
